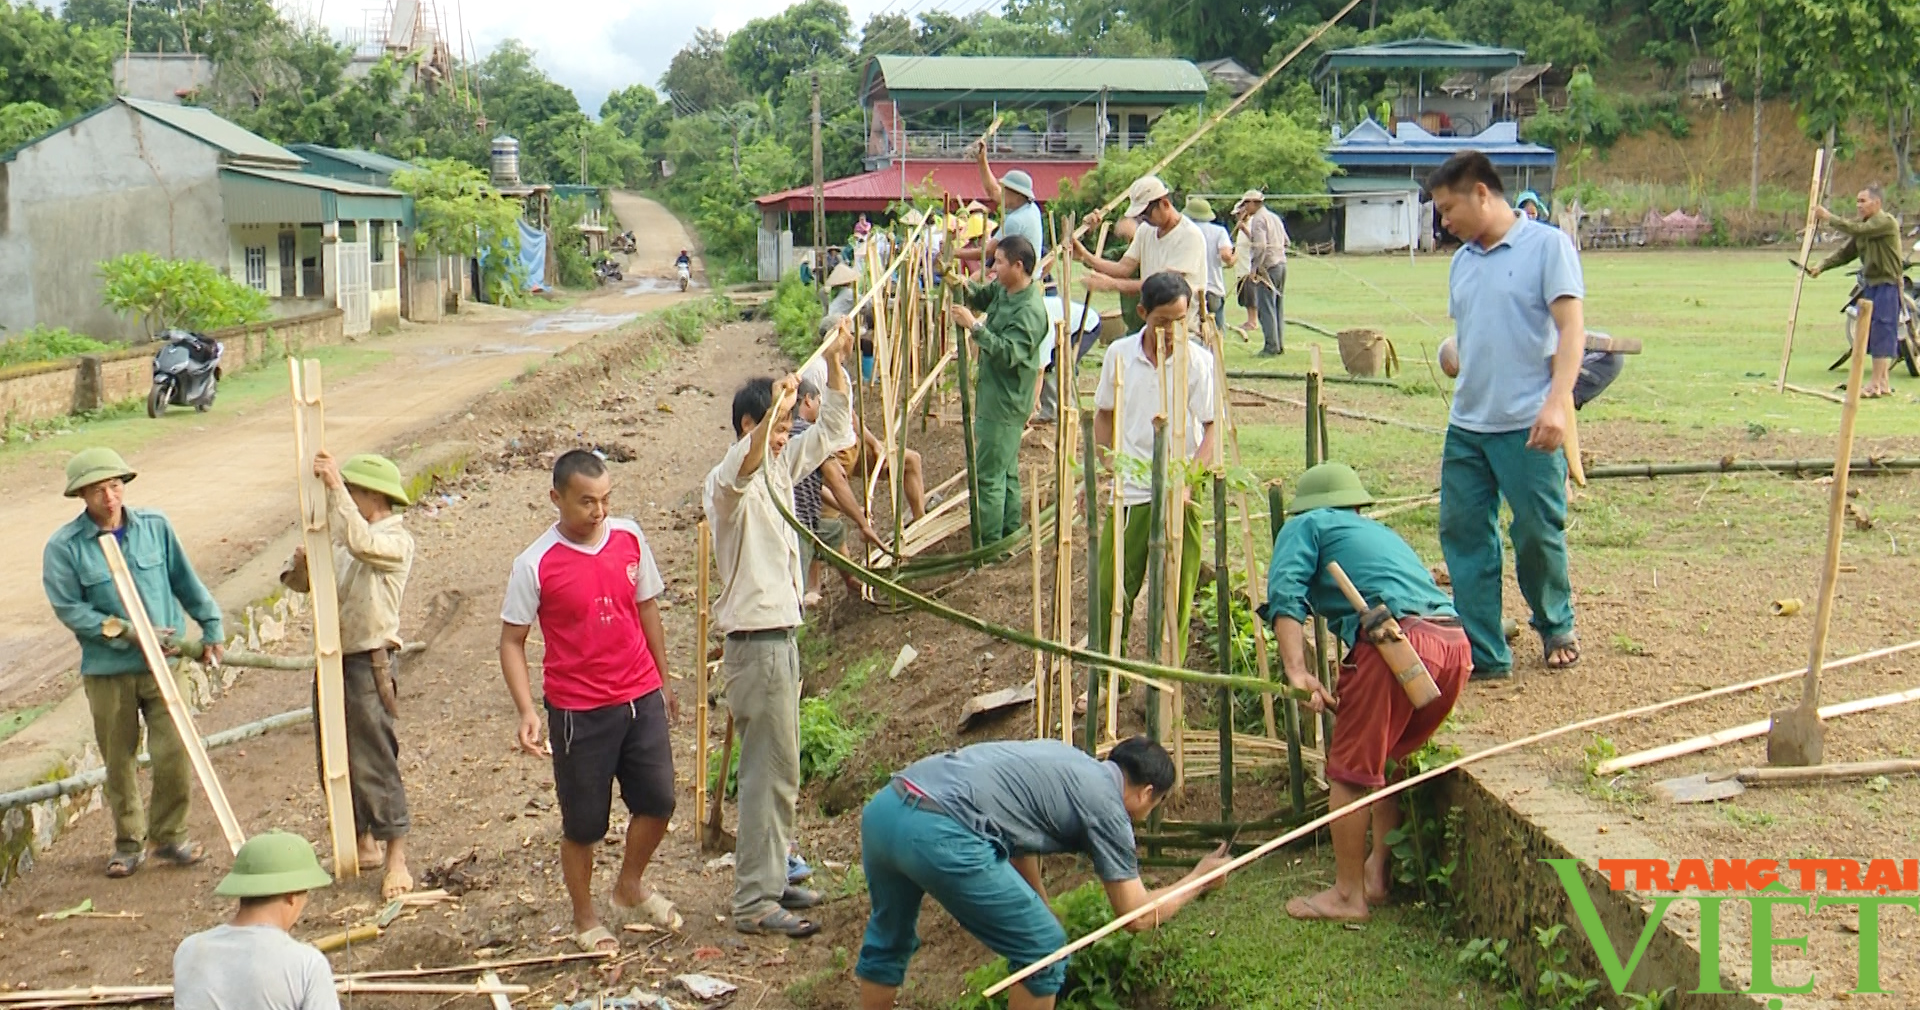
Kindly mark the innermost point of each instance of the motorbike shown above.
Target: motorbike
(686, 275)
(186, 372)
(624, 242)
(607, 270)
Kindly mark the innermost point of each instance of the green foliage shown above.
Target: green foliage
(1839, 59)
(165, 293)
(46, 344)
(1105, 976)
(698, 78)
(456, 214)
(687, 322)
(1548, 31)
(1253, 149)
(568, 244)
(767, 51)
(61, 66)
(1553, 987)
(796, 313)
(830, 731)
(24, 121)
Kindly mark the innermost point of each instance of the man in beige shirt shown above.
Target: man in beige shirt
(372, 555)
(1266, 266)
(762, 578)
(1166, 241)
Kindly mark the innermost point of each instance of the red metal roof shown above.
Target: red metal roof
(875, 191)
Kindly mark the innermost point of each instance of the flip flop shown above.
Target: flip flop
(181, 853)
(124, 864)
(1560, 643)
(795, 899)
(778, 922)
(656, 910)
(1303, 908)
(590, 941)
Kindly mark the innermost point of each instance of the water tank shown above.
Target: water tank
(506, 161)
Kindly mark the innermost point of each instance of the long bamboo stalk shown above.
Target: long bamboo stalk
(1800, 276)
(965, 359)
(1156, 573)
(1394, 789)
(1296, 764)
(1096, 627)
(1039, 657)
(703, 562)
(1223, 597)
(1116, 613)
(1343, 412)
(1728, 464)
(1339, 380)
(481, 966)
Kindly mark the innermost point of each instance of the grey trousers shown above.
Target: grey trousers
(1268, 304)
(762, 676)
(373, 753)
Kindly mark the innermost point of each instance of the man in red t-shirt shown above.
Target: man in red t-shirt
(592, 584)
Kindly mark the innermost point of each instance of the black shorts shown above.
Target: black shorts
(594, 748)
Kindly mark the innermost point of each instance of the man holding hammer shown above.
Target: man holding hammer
(1515, 294)
(1383, 714)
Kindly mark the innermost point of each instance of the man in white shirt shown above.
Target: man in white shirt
(762, 578)
(1137, 362)
(1168, 242)
(1219, 246)
(1266, 266)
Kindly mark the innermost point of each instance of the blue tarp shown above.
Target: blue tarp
(533, 256)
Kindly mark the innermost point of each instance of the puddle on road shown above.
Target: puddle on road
(655, 286)
(576, 321)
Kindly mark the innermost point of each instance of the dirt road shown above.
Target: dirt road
(224, 478)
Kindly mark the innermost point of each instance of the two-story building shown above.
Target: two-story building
(1059, 116)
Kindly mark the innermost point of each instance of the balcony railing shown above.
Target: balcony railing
(955, 144)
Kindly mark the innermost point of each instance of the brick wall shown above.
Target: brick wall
(47, 390)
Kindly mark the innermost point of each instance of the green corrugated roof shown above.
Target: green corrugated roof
(1370, 184)
(309, 181)
(216, 132)
(988, 78)
(1418, 53)
(371, 161)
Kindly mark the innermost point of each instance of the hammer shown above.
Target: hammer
(1379, 627)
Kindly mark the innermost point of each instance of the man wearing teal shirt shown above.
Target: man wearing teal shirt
(1515, 293)
(1009, 336)
(121, 692)
(1377, 722)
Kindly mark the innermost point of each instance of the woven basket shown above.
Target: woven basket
(1368, 353)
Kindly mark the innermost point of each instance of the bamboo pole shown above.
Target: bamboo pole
(1039, 658)
(1751, 730)
(1341, 411)
(1156, 573)
(481, 966)
(1290, 711)
(1338, 380)
(1223, 597)
(1173, 406)
(177, 709)
(965, 359)
(1116, 612)
(1096, 630)
(703, 562)
(497, 998)
(309, 438)
(1066, 413)
(1728, 464)
(1388, 792)
(1800, 276)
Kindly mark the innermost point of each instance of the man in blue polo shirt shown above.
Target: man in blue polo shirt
(968, 828)
(1515, 295)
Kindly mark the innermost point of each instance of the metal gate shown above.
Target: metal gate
(356, 286)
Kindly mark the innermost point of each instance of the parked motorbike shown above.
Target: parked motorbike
(186, 372)
(1909, 327)
(607, 270)
(623, 242)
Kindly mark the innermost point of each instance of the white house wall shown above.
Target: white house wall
(113, 183)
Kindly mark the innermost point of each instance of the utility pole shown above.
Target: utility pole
(819, 193)
(583, 157)
(1759, 70)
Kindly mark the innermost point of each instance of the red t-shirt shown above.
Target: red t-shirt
(587, 600)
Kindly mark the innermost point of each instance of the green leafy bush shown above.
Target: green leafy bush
(828, 735)
(46, 344)
(569, 245)
(796, 315)
(688, 321)
(1104, 976)
(164, 293)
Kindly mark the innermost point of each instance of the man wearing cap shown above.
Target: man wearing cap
(1013, 193)
(1007, 318)
(252, 961)
(1266, 266)
(121, 692)
(372, 555)
(1167, 242)
(1377, 722)
(1219, 246)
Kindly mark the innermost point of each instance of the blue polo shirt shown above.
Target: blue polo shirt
(1500, 300)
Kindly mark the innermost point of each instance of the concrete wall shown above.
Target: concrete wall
(113, 183)
(52, 389)
(161, 77)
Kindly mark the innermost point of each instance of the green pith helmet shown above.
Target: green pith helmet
(376, 474)
(273, 863)
(91, 466)
(1198, 209)
(1329, 486)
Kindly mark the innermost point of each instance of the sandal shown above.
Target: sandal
(778, 922)
(1560, 643)
(123, 864)
(797, 898)
(655, 910)
(591, 941)
(181, 853)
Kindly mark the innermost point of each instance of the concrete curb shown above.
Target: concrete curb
(60, 743)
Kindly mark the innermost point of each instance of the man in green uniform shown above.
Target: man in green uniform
(1009, 335)
(121, 691)
(1377, 722)
(1874, 240)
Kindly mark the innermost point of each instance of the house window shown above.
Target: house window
(257, 267)
(1136, 130)
(379, 233)
(349, 231)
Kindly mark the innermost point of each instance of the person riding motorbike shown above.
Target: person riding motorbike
(684, 265)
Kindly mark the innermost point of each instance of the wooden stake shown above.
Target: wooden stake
(1800, 276)
(496, 997)
(1039, 658)
(1694, 745)
(309, 438)
(703, 563)
(177, 709)
(1116, 621)
(1223, 415)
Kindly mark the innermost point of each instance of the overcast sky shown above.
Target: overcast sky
(595, 48)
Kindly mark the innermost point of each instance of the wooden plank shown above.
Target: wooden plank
(170, 691)
(495, 994)
(1800, 276)
(309, 438)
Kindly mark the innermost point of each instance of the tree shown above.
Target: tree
(1210, 29)
(158, 25)
(60, 66)
(1248, 150)
(1840, 60)
(186, 293)
(888, 34)
(1547, 31)
(636, 111)
(698, 78)
(457, 214)
(769, 50)
(24, 121)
